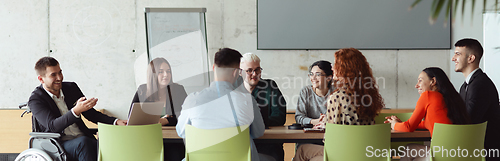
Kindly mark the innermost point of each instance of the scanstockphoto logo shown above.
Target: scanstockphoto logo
(296, 83)
(284, 83)
(440, 151)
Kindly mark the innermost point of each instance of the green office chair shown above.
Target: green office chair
(227, 144)
(446, 136)
(134, 142)
(403, 117)
(352, 142)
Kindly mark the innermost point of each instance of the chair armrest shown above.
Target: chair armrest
(45, 135)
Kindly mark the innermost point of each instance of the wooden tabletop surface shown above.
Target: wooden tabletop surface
(283, 133)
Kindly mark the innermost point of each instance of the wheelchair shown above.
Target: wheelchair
(43, 146)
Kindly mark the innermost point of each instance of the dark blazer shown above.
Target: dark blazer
(267, 93)
(481, 100)
(49, 118)
(178, 94)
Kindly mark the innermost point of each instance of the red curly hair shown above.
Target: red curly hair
(352, 66)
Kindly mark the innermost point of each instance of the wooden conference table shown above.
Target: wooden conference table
(281, 134)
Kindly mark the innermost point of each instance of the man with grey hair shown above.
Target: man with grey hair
(268, 97)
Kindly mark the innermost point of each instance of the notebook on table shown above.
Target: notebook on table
(145, 113)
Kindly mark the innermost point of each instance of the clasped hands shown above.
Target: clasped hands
(319, 123)
(393, 120)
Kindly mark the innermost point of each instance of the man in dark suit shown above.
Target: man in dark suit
(57, 107)
(478, 92)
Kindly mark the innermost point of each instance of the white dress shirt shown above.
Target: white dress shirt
(72, 131)
(467, 80)
(212, 108)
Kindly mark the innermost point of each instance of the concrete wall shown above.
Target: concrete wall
(97, 43)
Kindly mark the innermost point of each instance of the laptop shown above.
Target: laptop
(145, 113)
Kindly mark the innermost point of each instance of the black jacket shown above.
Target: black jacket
(178, 94)
(481, 101)
(49, 118)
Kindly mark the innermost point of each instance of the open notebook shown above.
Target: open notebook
(145, 113)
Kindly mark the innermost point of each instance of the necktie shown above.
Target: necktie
(463, 90)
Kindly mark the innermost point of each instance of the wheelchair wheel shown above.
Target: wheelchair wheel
(33, 155)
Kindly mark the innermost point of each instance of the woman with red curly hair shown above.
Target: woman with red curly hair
(355, 102)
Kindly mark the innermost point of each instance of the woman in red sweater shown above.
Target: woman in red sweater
(439, 102)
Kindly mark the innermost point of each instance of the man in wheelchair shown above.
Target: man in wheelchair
(57, 107)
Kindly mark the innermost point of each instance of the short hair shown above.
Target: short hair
(227, 58)
(472, 45)
(42, 64)
(250, 57)
(324, 65)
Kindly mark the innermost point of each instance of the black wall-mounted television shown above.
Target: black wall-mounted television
(362, 24)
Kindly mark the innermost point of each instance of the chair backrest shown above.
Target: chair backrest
(402, 116)
(135, 142)
(357, 142)
(447, 138)
(227, 144)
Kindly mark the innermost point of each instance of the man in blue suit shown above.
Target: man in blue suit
(57, 107)
(478, 92)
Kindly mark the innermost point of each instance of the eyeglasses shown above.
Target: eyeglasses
(315, 74)
(257, 70)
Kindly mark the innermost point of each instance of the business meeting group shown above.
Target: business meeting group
(343, 92)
